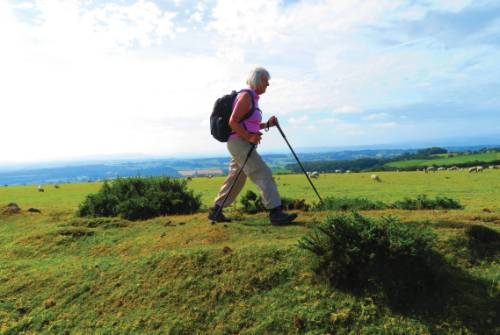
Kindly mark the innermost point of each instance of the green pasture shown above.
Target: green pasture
(181, 275)
(447, 160)
(475, 191)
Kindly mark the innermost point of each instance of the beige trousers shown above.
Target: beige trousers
(255, 168)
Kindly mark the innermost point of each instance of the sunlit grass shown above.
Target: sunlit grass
(182, 275)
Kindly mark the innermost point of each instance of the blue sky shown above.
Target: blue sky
(86, 78)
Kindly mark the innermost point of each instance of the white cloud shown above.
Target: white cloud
(347, 109)
(386, 125)
(299, 121)
(375, 116)
(134, 75)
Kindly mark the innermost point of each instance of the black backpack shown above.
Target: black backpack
(219, 119)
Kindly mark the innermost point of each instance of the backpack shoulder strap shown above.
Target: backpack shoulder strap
(247, 115)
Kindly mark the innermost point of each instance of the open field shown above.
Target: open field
(444, 160)
(180, 275)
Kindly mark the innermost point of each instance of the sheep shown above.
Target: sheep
(338, 171)
(441, 168)
(476, 169)
(40, 188)
(430, 168)
(376, 178)
(314, 174)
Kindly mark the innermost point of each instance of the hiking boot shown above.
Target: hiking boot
(278, 217)
(212, 215)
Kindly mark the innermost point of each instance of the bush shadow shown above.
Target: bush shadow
(452, 297)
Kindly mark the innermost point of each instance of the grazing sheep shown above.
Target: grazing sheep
(40, 188)
(441, 168)
(453, 168)
(347, 171)
(476, 169)
(376, 178)
(314, 174)
(430, 169)
(338, 171)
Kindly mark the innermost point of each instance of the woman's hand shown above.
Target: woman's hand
(273, 120)
(254, 138)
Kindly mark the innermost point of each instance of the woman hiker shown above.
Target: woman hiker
(245, 134)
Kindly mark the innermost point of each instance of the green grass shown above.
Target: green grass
(60, 274)
(444, 160)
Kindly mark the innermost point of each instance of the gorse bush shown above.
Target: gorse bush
(355, 252)
(252, 203)
(140, 198)
(348, 204)
(297, 204)
(423, 202)
(359, 204)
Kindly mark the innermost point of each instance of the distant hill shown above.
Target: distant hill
(448, 160)
(407, 161)
(355, 160)
(84, 173)
(78, 172)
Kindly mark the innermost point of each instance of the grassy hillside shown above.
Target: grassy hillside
(180, 275)
(446, 160)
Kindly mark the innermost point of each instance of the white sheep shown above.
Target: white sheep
(314, 174)
(476, 169)
(376, 178)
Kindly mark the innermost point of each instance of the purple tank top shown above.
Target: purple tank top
(252, 124)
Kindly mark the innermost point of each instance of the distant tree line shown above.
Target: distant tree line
(378, 164)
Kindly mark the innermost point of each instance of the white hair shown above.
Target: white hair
(256, 76)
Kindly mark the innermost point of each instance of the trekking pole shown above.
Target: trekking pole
(303, 170)
(234, 183)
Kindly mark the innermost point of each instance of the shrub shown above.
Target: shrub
(345, 204)
(252, 203)
(355, 252)
(423, 202)
(297, 204)
(141, 198)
